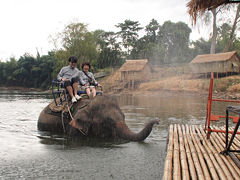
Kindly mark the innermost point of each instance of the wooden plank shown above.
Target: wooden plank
(192, 169)
(227, 160)
(203, 156)
(219, 164)
(221, 142)
(176, 161)
(236, 140)
(183, 156)
(237, 135)
(233, 146)
(191, 156)
(194, 155)
(169, 158)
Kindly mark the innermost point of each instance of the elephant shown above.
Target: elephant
(97, 117)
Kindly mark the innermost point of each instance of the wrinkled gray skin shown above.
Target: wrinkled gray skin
(100, 117)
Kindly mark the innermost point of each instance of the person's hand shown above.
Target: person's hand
(64, 79)
(99, 85)
(86, 85)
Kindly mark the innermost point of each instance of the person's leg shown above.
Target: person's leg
(67, 85)
(74, 82)
(75, 88)
(70, 91)
(93, 91)
(88, 91)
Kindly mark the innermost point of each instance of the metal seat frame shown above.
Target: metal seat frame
(58, 91)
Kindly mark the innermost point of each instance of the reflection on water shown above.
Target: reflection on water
(27, 153)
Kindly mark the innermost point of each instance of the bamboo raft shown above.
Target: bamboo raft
(190, 155)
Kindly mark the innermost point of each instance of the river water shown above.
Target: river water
(26, 153)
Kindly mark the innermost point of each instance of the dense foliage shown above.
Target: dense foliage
(160, 44)
(28, 71)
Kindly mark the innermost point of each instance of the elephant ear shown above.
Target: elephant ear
(77, 126)
(81, 122)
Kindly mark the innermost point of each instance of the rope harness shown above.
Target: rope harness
(64, 129)
(70, 114)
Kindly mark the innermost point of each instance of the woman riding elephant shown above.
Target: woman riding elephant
(87, 79)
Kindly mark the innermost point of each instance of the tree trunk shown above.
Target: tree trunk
(233, 30)
(214, 35)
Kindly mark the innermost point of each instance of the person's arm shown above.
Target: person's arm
(94, 80)
(81, 79)
(60, 75)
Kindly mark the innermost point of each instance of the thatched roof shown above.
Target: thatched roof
(198, 7)
(134, 65)
(206, 58)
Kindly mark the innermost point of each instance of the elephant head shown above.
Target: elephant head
(102, 117)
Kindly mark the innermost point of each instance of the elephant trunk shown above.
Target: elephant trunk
(125, 133)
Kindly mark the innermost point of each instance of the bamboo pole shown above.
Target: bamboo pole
(176, 161)
(183, 156)
(220, 166)
(169, 158)
(221, 141)
(224, 162)
(236, 139)
(191, 166)
(226, 159)
(223, 138)
(191, 156)
(233, 146)
(237, 135)
(203, 156)
(194, 155)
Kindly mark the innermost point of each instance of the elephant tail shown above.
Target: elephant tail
(125, 133)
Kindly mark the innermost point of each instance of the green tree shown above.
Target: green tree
(200, 46)
(151, 30)
(175, 38)
(6, 70)
(110, 53)
(148, 47)
(75, 40)
(224, 33)
(129, 34)
(234, 27)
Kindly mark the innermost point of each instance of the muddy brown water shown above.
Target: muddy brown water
(26, 153)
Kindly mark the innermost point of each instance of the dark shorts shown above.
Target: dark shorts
(70, 83)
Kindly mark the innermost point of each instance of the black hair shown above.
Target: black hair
(87, 64)
(72, 59)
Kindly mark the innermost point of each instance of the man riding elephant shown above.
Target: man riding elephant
(70, 77)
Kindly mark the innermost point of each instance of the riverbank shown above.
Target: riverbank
(226, 87)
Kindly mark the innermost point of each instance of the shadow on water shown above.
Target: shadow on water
(68, 142)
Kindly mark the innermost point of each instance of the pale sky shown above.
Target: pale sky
(27, 24)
